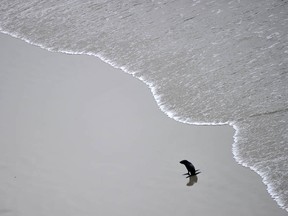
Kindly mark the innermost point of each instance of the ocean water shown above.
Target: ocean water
(206, 62)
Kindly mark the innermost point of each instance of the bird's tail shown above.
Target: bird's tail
(197, 172)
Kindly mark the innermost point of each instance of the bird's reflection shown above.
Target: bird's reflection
(192, 180)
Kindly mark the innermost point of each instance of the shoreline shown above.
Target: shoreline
(161, 106)
(206, 181)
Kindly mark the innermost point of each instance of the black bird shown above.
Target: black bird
(191, 169)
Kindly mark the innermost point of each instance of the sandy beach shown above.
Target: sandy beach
(79, 137)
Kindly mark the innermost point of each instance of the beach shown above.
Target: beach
(79, 137)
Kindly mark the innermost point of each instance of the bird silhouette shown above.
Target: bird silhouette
(190, 168)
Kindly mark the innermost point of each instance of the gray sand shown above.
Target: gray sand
(79, 137)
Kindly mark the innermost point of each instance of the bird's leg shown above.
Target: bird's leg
(186, 173)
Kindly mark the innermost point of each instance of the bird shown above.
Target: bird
(190, 167)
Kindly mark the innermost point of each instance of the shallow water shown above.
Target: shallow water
(206, 62)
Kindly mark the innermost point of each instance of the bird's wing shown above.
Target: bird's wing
(190, 168)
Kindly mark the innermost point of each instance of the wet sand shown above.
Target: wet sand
(79, 137)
